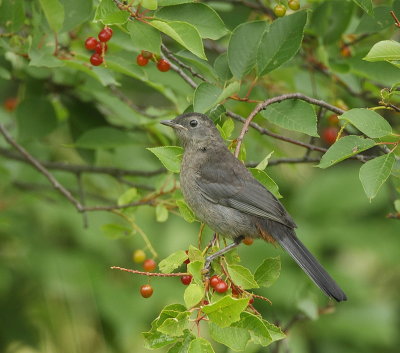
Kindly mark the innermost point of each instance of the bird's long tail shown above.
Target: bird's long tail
(289, 241)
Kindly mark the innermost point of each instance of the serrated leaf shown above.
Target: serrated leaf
(161, 213)
(169, 156)
(201, 16)
(368, 122)
(182, 346)
(172, 262)
(243, 46)
(375, 172)
(175, 326)
(184, 33)
(343, 148)
(227, 128)
(226, 311)
(293, 115)
(144, 37)
(149, 4)
(385, 50)
(265, 180)
(193, 294)
(109, 14)
(54, 12)
(195, 269)
(195, 254)
(264, 163)
(200, 345)
(127, 197)
(154, 339)
(281, 42)
(366, 5)
(259, 333)
(235, 338)
(185, 211)
(268, 272)
(205, 97)
(242, 276)
(274, 331)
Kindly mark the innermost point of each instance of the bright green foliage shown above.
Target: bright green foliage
(268, 272)
(172, 262)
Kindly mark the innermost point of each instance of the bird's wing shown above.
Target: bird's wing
(230, 184)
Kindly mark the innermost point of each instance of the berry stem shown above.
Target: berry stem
(154, 274)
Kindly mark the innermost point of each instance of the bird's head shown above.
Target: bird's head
(194, 130)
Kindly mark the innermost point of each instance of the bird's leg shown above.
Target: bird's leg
(221, 252)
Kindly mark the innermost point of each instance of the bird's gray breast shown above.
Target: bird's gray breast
(222, 219)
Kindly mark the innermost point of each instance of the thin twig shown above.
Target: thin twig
(152, 274)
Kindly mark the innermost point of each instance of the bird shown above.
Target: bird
(223, 194)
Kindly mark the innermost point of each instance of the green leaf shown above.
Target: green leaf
(206, 95)
(170, 157)
(374, 173)
(35, 118)
(242, 276)
(195, 269)
(185, 211)
(281, 42)
(201, 16)
(200, 345)
(343, 148)
(149, 4)
(175, 326)
(172, 262)
(226, 311)
(104, 137)
(195, 254)
(161, 213)
(243, 46)
(383, 51)
(264, 163)
(128, 196)
(227, 128)
(54, 12)
(366, 5)
(265, 180)
(109, 14)
(235, 338)
(182, 346)
(397, 205)
(255, 326)
(293, 115)
(274, 331)
(144, 37)
(76, 12)
(268, 272)
(221, 67)
(184, 33)
(12, 15)
(368, 122)
(154, 339)
(193, 294)
(116, 231)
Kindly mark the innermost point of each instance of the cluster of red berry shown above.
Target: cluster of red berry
(145, 56)
(149, 265)
(99, 46)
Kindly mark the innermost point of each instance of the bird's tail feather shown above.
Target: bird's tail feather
(310, 265)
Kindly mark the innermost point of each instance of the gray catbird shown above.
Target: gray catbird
(224, 194)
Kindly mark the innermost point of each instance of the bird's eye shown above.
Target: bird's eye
(193, 123)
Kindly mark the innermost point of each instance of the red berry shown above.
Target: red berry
(90, 43)
(214, 280)
(333, 119)
(206, 302)
(186, 279)
(187, 261)
(149, 265)
(96, 59)
(10, 104)
(221, 286)
(251, 301)
(248, 241)
(163, 65)
(146, 291)
(329, 135)
(105, 34)
(345, 51)
(99, 47)
(141, 60)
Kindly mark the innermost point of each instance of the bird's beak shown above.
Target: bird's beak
(172, 124)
